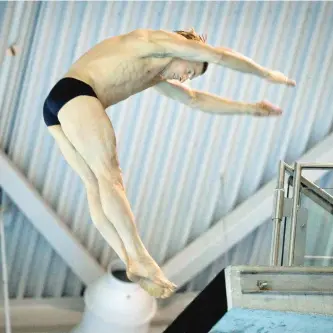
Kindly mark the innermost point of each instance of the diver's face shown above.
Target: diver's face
(183, 70)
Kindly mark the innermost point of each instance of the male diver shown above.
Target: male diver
(110, 72)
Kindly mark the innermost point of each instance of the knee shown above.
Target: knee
(106, 172)
(107, 168)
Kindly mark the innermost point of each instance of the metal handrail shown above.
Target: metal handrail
(296, 196)
(317, 194)
(316, 190)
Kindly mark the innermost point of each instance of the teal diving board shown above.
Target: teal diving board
(238, 320)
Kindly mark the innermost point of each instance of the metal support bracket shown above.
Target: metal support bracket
(299, 289)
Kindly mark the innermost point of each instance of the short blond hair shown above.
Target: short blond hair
(192, 35)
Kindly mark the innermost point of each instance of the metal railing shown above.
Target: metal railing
(314, 192)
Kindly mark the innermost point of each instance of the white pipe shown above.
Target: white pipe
(116, 305)
(4, 273)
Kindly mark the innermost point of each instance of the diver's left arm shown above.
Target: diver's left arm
(214, 104)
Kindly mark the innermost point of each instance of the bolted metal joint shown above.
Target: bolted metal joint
(262, 285)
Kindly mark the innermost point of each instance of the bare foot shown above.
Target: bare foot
(149, 276)
(265, 109)
(157, 288)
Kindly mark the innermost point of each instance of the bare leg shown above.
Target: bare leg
(103, 225)
(87, 126)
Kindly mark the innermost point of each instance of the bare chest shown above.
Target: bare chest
(114, 82)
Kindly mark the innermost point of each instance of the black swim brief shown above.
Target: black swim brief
(64, 90)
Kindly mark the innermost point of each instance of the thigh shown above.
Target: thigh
(73, 158)
(88, 127)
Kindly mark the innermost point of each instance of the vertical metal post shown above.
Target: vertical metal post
(296, 195)
(4, 274)
(277, 214)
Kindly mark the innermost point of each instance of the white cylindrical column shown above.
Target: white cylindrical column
(115, 304)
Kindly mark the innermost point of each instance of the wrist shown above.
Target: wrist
(253, 108)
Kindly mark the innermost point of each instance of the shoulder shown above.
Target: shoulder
(151, 36)
(145, 41)
(152, 42)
